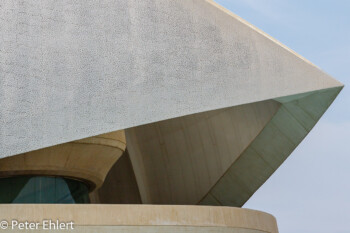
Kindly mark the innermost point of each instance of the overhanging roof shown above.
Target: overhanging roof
(73, 71)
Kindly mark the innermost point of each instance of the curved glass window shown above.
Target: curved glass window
(42, 189)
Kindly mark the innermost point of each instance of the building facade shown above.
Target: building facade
(145, 116)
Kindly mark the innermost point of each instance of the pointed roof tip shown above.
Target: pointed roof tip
(339, 84)
(266, 35)
(334, 81)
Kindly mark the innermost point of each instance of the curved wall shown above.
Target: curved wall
(146, 218)
(88, 160)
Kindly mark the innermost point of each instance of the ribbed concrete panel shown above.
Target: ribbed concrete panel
(271, 147)
(178, 161)
(75, 69)
(221, 157)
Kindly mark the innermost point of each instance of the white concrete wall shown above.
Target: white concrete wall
(74, 69)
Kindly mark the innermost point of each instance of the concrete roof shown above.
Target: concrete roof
(72, 71)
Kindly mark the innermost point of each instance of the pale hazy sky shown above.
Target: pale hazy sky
(310, 192)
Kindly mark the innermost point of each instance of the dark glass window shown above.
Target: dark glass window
(42, 189)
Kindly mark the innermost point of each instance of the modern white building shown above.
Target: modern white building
(154, 115)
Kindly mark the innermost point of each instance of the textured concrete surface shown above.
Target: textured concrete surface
(75, 69)
(146, 218)
(151, 229)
